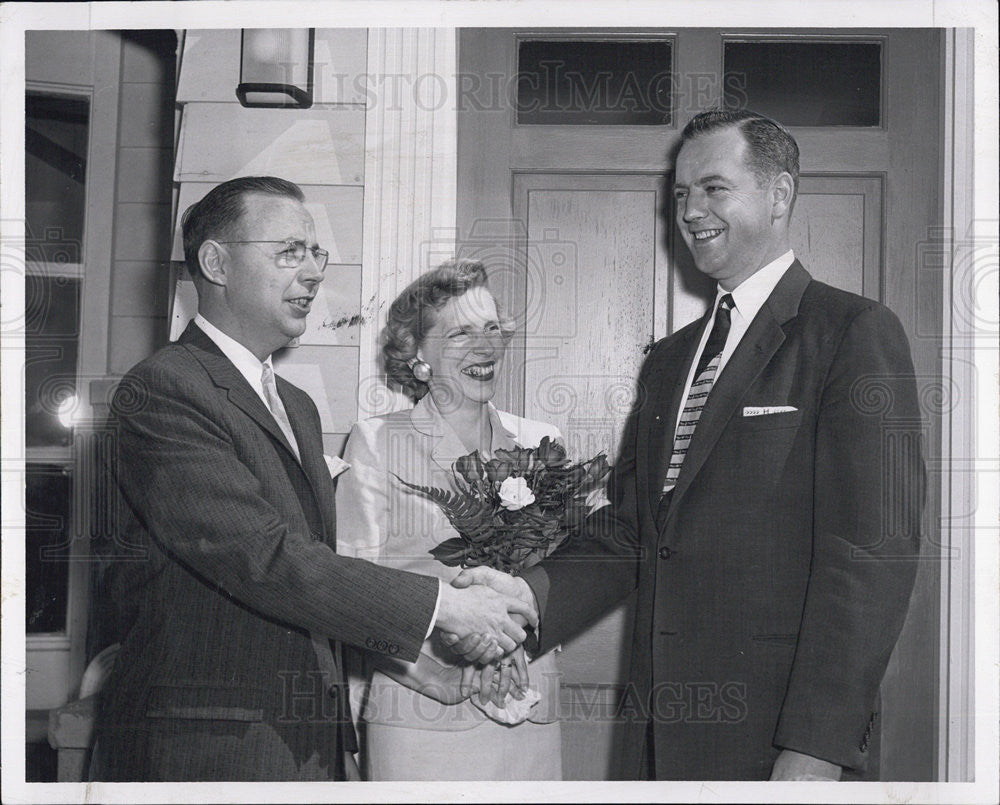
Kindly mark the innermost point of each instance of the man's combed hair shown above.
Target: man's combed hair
(222, 209)
(414, 312)
(770, 148)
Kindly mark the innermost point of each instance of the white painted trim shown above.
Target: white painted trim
(957, 660)
(411, 164)
(40, 268)
(48, 641)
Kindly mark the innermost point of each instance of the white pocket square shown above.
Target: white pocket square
(336, 465)
(764, 410)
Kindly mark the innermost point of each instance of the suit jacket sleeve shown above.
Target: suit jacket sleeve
(595, 570)
(205, 507)
(869, 487)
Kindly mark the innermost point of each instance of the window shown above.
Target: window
(806, 83)
(592, 82)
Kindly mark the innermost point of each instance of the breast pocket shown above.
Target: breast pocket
(764, 422)
(760, 447)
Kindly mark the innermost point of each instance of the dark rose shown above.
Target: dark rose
(598, 469)
(470, 467)
(519, 457)
(551, 453)
(498, 470)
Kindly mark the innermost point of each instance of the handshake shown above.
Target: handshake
(483, 614)
(482, 618)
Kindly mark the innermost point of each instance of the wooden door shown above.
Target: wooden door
(569, 219)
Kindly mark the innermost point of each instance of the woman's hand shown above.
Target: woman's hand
(448, 684)
(509, 675)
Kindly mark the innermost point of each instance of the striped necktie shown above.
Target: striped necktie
(278, 408)
(704, 378)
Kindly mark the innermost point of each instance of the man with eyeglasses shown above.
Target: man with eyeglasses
(233, 602)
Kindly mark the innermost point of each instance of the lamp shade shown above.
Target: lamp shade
(276, 68)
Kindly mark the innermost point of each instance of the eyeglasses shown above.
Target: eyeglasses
(492, 331)
(293, 254)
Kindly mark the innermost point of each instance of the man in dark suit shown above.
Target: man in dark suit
(232, 598)
(765, 502)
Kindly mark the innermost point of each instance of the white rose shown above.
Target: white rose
(515, 494)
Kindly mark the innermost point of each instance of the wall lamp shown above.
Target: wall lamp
(276, 68)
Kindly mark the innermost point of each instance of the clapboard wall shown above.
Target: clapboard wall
(320, 149)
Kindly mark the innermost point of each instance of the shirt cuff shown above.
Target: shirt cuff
(434, 615)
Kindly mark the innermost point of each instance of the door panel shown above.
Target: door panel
(837, 231)
(583, 354)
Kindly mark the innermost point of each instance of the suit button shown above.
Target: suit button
(370, 642)
(382, 645)
(393, 648)
(665, 552)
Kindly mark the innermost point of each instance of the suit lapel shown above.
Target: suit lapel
(425, 421)
(225, 375)
(759, 344)
(447, 448)
(443, 443)
(311, 461)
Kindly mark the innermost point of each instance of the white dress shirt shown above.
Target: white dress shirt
(242, 358)
(748, 298)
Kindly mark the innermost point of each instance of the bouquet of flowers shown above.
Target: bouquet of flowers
(509, 512)
(515, 508)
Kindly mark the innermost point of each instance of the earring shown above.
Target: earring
(421, 370)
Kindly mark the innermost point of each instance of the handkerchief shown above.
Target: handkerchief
(514, 710)
(764, 410)
(335, 465)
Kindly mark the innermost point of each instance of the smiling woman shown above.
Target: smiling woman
(462, 350)
(443, 345)
(448, 321)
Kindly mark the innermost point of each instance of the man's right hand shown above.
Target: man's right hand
(504, 583)
(481, 610)
(476, 647)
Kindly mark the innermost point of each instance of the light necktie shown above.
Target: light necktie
(704, 379)
(277, 408)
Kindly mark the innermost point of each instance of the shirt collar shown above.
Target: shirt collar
(428, 419)
(242, 358)
(749, 296)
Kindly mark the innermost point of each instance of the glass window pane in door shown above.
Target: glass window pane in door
(806, 83)
(51, 346)
(595, 83)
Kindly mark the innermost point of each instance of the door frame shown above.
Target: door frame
(956, 734)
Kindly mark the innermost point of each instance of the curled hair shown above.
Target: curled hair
(222, 208)
(414, 312)
(770, 148)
